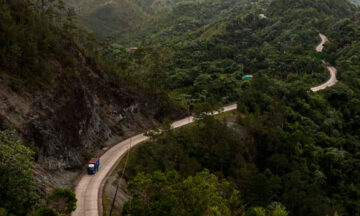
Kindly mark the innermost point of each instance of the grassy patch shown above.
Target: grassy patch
(106, 203)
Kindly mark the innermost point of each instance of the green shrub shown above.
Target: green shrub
(62, 201)
(45, 211)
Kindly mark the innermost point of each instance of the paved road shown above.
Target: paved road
(88, 189)
(333, 80)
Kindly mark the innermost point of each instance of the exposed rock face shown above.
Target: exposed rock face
(71, 125)
(73, 119)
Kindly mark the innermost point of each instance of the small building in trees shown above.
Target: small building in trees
(248, 77)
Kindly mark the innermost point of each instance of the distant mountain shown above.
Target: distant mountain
(357, 2)
(107, 17)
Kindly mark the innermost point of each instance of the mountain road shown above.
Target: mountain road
(333, 80)
(89, 188)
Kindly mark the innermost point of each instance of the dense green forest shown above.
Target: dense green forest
(20, 194)
(301, 149)
(27, 40)
(107, 17)
(286, 150)
(209, 52)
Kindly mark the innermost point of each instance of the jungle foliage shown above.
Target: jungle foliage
(20, 193)
(292, 151)
(33, 36)
(305, 145)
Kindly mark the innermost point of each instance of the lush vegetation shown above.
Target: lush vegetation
(290, 151)
(302, 148)
(108, 18)
(33, 37)
(17, 186)
(40, 45)
(41, 42)
(209, 145)
(203, 194)
(209, 52)
(19, 191)
(60, 202)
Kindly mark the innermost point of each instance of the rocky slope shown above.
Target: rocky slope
(58, 93)
(79, 115)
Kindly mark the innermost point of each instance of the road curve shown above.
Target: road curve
(89, 187)
(333, 80)
(324, 39)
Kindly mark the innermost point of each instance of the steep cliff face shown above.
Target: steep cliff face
(63, 103)
(77, 116)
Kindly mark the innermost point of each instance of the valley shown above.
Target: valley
(85, 79)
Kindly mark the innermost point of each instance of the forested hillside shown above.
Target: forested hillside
(46, 58)
(109, 18)
(228, 40)
(291, 147)
(65, 94)
(60, 103)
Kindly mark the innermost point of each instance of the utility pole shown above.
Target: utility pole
(121, 176)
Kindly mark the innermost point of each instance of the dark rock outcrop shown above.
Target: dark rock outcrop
(68, 123)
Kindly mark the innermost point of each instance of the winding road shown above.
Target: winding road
(333, 80)
(88, 190)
